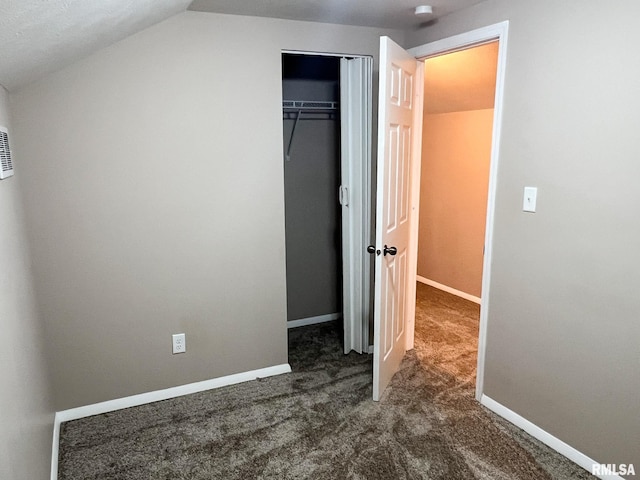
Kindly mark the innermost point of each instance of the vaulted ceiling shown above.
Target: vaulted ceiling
(38, 37)
(461, 81)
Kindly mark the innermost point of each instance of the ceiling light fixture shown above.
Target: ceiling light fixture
(424, 10)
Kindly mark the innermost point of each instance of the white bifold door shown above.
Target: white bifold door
(399, 145)
(355, 198)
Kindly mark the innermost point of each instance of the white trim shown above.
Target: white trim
(303, 322)
(498, 31)
(461, 41)
(55, 448)
(150, 397)
(453, 291)
(370, 350)
(167, 393)
(545, 437)
(415, 172)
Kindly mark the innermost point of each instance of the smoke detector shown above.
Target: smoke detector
(423, 10)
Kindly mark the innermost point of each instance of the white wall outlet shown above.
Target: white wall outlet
(179, 343)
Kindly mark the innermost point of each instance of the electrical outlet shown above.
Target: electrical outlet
(179, 343)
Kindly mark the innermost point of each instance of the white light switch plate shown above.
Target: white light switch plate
(529, 201)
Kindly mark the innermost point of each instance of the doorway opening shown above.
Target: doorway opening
(311, 143)
(327, 160)
(497, 33)
(459, 98)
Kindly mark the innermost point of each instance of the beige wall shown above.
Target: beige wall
(26, 410)
(563, 329)
(154, 196)
(456, 153)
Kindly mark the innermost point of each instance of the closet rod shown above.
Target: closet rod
(302, 106)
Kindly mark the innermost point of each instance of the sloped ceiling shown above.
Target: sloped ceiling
(398, 14)
(40, 36)
(461, 81)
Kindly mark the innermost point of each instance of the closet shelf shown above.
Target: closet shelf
(293, 110)
(312, 105)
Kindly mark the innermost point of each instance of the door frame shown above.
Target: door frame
(499, 32)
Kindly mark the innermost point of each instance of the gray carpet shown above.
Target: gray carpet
(319, 422)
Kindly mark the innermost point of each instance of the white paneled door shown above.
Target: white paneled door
(399, 118)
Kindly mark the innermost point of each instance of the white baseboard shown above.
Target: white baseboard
(545, 437)
(150, 397)
(55, 448)
(303, 322)
(450, 290)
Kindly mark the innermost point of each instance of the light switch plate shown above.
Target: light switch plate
(530, 198)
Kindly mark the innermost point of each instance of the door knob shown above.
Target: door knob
(372, 249)
(390, 250)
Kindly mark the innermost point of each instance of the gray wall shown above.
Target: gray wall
(312, 211)
(155, 202)
(564, 330)
(26, 408)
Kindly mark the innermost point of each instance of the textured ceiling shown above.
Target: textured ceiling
(40, 36)
(372, 13)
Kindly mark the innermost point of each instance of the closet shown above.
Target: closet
(311, 158)
(327, 125)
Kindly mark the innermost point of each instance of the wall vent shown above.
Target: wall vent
(5, 154)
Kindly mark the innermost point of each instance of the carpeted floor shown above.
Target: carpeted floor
(319, 422)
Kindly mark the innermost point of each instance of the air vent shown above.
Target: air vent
(5, 154)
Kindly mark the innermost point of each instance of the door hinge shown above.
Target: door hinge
(343, 196)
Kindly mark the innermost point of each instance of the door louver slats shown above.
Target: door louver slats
(5, 154)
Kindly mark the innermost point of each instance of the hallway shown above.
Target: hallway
(448, 326)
